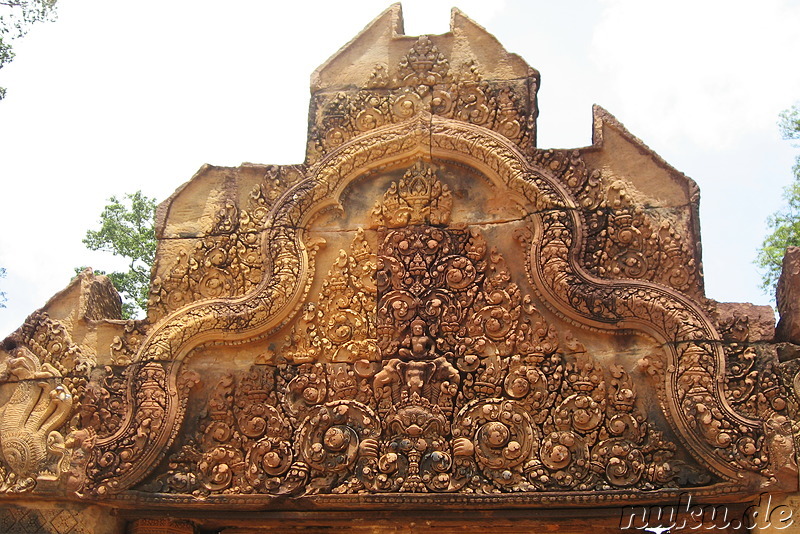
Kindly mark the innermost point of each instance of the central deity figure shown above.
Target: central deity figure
(417, 346)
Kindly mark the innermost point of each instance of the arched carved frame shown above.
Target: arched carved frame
(690, 380)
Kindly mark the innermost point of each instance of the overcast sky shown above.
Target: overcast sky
(119, 96)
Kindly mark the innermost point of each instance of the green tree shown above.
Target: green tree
(127, 229)
(2, 293)
(16, 18)
(784, 223)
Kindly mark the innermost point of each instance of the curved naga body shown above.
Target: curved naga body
(31, 445)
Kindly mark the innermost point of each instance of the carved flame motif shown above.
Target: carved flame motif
(419, 198)
(448, 328)
(340, 326)
(423, 65)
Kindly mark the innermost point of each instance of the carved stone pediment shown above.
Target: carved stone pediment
(430, 310)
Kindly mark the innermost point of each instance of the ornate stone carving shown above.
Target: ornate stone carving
(450, 329)
(340, 325)
(419, 198)
(635, 244)
(124, 347)
(446, 277)
(45, 373)
(491, 324)
(228, 261)
(32, 447)
(423, 81)
(105, 402)
(625, 236)
(243, 444)
(49, 341)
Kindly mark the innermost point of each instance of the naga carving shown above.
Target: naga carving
(33, 448)
(46, 375)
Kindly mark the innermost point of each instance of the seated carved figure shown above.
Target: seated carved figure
(417, 346)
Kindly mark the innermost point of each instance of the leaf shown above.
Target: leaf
(127, 229)
(15, 21)
(784, 223)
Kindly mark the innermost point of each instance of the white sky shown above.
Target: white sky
(119, 96)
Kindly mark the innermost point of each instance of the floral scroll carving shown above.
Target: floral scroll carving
(638, 245)
(228, 261)
(625, 238)
(489, 324)
(465, 387)
(425, 81)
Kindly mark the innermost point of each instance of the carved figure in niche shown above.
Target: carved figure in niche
(417, 346)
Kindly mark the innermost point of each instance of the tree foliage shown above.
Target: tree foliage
(127, 229)
(789, 124)
(784, 223)
(16, 18)
(2, 293)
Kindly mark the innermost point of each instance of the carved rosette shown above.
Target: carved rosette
(504, 439)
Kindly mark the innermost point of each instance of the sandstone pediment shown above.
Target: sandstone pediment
(430, 312)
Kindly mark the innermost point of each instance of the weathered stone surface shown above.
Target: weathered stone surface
(429, 313)
(743, 322)
(161, 526)
(788, 298)
(36, 517)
